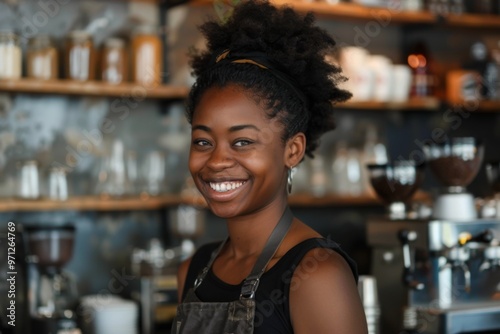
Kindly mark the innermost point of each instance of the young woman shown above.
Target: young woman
(262, 99)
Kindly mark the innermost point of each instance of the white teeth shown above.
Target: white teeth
(225, 186)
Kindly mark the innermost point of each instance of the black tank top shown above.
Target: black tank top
(272, 313)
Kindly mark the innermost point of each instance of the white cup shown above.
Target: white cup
(58, 184)
(367, 288)
(402, 83)
(384, 78)
(28, 181)
(361, 78)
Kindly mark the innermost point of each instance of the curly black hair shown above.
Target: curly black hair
(295, 46)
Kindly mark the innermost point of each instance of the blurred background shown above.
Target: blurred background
(94, 143)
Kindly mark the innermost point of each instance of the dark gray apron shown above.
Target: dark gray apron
(237, 317)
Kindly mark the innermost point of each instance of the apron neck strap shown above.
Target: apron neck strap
(251, 283)
(204, 272)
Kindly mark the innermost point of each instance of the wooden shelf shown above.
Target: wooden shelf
(352, 11)
(473, 21)
(489, 106)
(96, 203)
(427, 104)
(483, 106)
(307, 200)
(92, 88)
(349, 11)
(90, 203)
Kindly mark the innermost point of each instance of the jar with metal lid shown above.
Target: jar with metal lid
(114, 61)
(42, 59)
(80, 56)
(147, 55)
(10, 56)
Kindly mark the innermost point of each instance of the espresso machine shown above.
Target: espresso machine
(52, 293)
(437, 274)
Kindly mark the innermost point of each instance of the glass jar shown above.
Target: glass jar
(147, 56)
(42, 58)
(10, 56)
(80, 56)
(114, 61)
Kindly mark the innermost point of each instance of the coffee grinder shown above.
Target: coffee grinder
(395, 184)
(455, 163)
(52, 291)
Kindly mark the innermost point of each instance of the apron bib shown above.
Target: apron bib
(236, 317)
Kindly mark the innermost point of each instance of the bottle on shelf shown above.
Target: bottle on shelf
(318, 177)
(438, 7)
(423, 79)
(492, 76)
(481, 63)
(42, 58)
(114, 61)
(10, 55)
(80, 56)
(147, 55)
(346, 171)
(456, 6)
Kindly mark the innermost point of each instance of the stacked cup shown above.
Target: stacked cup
(374, 77)
(108, 314)
(367, 288)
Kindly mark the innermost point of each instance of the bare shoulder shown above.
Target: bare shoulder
(324, 296)
(181, 277)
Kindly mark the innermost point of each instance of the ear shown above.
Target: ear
(295, 149)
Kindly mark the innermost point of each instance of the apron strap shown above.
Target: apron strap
(251, 283)
(204, 272)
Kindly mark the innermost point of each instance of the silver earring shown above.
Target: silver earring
(289, 180)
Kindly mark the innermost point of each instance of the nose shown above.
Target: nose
(220, 158)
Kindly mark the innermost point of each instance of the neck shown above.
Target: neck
(248, 234)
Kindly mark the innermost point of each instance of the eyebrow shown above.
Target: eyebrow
(231, 129)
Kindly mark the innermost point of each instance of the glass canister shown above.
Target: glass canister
(147, 56)
(114, 61)
(42, 59)
(80, 56)
(10, 56)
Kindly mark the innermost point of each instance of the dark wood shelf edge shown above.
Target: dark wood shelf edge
(91, 203)
(480, 21)
(485, 106)
(93, 88)
(307, 200)
(424, 104)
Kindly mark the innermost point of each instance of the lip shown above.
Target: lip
(213, 195)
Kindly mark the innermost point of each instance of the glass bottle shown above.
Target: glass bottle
(419, 61)
(80, 56)
(10, 56)
(42, 58)
(114, 61)
(479, 62)
(147, 56)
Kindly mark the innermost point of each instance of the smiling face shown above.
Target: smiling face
(238, 159)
